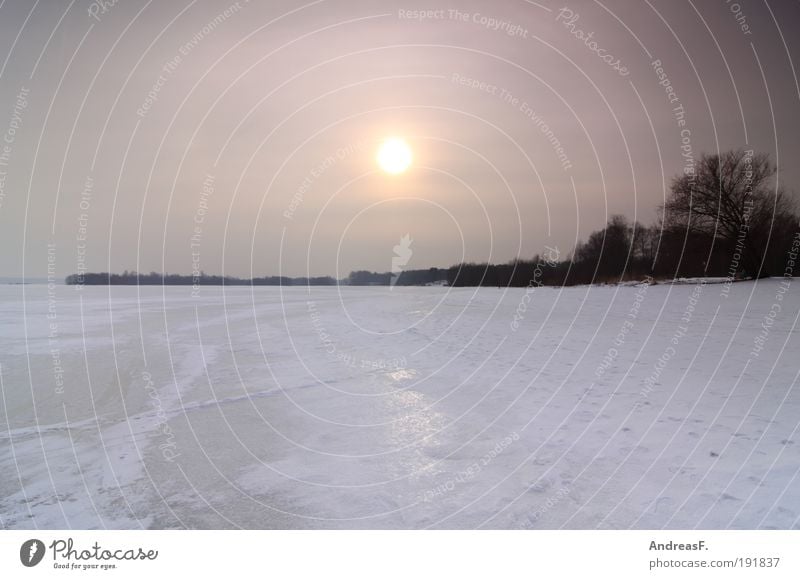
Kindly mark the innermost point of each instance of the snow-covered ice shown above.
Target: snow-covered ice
(662, 406)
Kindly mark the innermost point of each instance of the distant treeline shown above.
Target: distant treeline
(406, 278)
(153, 278)
(723, 218)
(431, 276)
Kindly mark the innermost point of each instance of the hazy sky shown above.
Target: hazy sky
(241, 137)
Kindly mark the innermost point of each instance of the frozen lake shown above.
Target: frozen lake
(665, 406)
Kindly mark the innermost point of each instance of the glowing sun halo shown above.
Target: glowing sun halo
(394, 156)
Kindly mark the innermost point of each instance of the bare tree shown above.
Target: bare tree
(645, 245)
(731, 196)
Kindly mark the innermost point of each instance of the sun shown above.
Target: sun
(394, 156)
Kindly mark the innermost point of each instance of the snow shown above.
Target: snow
(633, 406)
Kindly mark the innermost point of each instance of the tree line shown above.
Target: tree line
(153, 278)
(725, 218)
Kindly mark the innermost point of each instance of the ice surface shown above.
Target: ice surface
(664, 406)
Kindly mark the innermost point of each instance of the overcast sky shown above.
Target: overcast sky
(241, 137)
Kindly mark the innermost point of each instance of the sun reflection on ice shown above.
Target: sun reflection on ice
(415, 432)
(403, 375)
